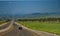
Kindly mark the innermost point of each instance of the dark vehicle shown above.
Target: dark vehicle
(20, 28)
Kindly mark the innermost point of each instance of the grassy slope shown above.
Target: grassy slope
(1, 22)
(52, 27)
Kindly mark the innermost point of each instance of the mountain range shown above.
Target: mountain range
(34, 15)
(38, 15)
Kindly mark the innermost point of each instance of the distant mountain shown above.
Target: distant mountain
(33, 15)
(5, 16)
(49, 13)
(38, 15)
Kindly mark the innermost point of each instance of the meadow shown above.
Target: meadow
(2, 21)
(51, 27)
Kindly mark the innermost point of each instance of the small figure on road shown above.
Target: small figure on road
(20, 28)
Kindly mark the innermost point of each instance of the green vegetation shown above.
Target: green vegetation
(52, 27)
(41, 19)
(3, 21)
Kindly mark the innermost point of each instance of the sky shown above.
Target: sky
(29, 6)
(28, 0)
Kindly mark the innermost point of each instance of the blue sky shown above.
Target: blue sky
(27, 0)
(29, 6)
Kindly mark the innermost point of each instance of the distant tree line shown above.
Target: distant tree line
(41, 19)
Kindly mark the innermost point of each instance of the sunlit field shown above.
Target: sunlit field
(51, 27)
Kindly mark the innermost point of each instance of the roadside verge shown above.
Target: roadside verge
(37, 33)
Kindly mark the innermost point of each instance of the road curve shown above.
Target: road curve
(17, 32)
(2, 26)
(23, 32)
(7, 29)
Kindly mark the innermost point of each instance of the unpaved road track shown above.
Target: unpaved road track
(24, 32)
(17, 32)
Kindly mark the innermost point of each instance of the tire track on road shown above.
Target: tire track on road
(6, 30)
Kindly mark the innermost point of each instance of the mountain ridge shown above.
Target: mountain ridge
(33, 15)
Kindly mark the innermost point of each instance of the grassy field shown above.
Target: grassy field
(3, 21)
(51, 27)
